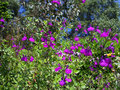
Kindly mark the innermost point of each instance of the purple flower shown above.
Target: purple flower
(31, 39)
(52, 38)
(2, 20)
(61, 28)
(85, 31)
(68, 71)
(14, 45)
(63, 57)
(90, 28)
(31, 59)
(83, 1)
(24, 58)
(58, 68)
(97, 30)
(110, 66)
(114, 38)
(66, 51)
(79, 26)
(103, 63)
(56, 1)
(49, 32)
(95, 63)
(70, 58)
(76, 38)
(42, 30)
(45, 35)
(82, 51)
(68, 79)
(62, 82)
(45, 45)
(24, 38)
(88, 52)
(76, 29)
(104, 34)
(94, 39)
(42, 39)
(50, 24)
(59, 53)
(72, 47)
(91, 68)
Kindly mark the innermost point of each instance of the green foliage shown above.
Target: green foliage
(4, 11)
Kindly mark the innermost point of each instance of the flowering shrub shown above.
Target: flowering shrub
(40, 61)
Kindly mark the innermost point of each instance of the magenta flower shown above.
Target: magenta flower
(68, 79)
(61, 28)
(83, 1)
(31, 39)
(2, 20)
(68, 71)
(85, 31)
(79, 26)
(91, 68)
(59, 53)
(56, 1)
(76, 38)
(76, 29)
(42, 30)
(62, 82)
(82, 51)
(52, 38)
(58, 68)
(72, 47)
(49, 32)
(24, 58)
(114, 38)
(104, 34)
(66, 51)
(110, 66)
(31, 59)
(45, 35)
(86, 52)
(63, 57)
(24, 38)
(90, 28)
(45, 45)
(103, 63)
(50, 24)
(70, 58)
(14, 45)
(97, 30)
(95, 63)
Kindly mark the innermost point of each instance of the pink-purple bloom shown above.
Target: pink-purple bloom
(79, 26)
(56, 1)
(85, 31)
(62, 82)
(24, 38)
(58, 68)
(72, 47)
(83, 1)
(52, 38)
(76, 38)
(68, 71)
(114, 38)
(31, 59)
(49, 23)
(31, 39)
(90, 28)
(2, 20)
